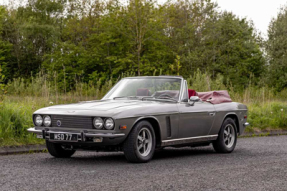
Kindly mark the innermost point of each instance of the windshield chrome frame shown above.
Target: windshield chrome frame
(163, 77)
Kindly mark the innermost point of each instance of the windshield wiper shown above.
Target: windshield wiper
(168, 98)
(125, 97)
(146, 98)
(159, 99)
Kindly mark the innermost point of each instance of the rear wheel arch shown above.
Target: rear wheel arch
(156, 127)
(234, 117)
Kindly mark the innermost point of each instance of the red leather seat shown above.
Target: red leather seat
(191, 93)
(143, 92)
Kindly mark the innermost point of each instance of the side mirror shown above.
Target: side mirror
(194, 99)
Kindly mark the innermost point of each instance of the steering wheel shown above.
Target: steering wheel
(163, 95)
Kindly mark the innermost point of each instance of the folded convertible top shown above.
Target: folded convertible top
(215, 97)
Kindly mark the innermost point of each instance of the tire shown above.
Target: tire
(227, 139)
(57, 151)
(139, 147)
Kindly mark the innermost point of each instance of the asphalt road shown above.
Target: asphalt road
(256, 164)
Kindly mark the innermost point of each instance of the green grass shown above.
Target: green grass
(267, 108)
(267, 116)
(16, 117)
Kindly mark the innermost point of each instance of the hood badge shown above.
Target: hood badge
(71, 111)
(59, 123)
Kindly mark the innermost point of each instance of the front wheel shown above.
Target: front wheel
(58, 151)
(227, 137)
(140, 144)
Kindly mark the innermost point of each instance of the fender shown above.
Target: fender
(156, 127)
(234, 114)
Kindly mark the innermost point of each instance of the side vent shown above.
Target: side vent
(168, 127)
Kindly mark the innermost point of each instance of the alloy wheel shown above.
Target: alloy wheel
(229, 135)
(144, 142)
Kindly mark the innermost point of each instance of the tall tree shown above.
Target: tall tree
(87, 40)
(232, 48)
(139, 25)
(277, 50)
(5, 49)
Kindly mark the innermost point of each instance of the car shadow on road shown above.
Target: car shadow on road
(110, 158)
(169, 153)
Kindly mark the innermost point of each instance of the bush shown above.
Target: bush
(15, 119)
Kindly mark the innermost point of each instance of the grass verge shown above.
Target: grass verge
(16, 117)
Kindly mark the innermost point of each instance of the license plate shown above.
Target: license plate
(64, 137)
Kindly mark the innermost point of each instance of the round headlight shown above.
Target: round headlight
(47, 121)
(109, 123)
(98, 123)
(38, 120)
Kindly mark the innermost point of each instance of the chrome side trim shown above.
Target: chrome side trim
(197, 112)
(188, 140)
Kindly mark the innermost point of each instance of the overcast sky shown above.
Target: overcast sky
(260, 11)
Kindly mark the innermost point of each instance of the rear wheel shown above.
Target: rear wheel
(227, 137)
(58, 151)
(140, 144)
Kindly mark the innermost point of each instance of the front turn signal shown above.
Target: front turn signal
(123, 127)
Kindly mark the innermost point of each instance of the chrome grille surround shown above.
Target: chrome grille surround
(70, 121)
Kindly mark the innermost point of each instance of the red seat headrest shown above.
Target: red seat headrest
(142, 92)
(191, 93)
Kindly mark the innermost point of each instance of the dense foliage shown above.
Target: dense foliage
(63, 51)
(277, 50)
(87, 40)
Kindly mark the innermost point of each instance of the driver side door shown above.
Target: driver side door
(196, 120)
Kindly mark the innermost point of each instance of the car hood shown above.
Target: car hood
(104, 108)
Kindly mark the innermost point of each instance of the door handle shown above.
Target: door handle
(211, 114)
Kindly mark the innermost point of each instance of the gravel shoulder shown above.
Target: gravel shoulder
(258, 163)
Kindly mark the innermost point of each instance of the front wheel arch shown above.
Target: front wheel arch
(156, 127)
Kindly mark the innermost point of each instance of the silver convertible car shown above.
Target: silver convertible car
(142, 114)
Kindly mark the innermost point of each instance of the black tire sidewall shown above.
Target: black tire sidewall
(130, 144)
(226, 122)
(141, 125)
(57, 151)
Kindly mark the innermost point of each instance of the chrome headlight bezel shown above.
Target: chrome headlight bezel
(47, 117)
(98, 123)
(38, 120)
(109, 124)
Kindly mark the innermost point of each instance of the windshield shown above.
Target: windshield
(155, 88)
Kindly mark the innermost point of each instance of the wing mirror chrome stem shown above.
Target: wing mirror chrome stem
(193, 99)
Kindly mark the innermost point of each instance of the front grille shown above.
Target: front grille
(80, 122)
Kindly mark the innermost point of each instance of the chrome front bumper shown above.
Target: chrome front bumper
(82, 135)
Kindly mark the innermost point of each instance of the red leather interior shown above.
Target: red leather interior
(191, 93)
(142, 92)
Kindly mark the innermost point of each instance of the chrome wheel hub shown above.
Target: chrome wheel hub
(144, 142)
(229, 135)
